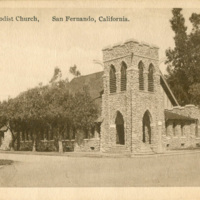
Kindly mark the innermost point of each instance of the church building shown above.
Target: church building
(138, 112)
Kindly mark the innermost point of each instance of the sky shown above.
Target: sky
(29, 51)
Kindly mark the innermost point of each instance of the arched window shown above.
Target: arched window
(150, 79)
(120, 134)
(174, 128)
(123, 76)
(146, 127)
(182, 129)
(166, 127)
(141, 77)
(113, 87)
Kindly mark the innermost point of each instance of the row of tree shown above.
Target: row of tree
(51, 107)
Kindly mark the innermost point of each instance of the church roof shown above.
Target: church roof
(94, 82)
(174, 116)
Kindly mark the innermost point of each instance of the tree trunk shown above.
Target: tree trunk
(60, 145)
(79, 138)
(12, 145)
(12, 141)
(34, 142)
(18, 141)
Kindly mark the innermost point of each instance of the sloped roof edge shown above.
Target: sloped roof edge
(168, 88)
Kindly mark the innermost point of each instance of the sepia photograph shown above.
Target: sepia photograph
(99, 96)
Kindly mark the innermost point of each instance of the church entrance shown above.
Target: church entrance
(146, 128)
(119, 121)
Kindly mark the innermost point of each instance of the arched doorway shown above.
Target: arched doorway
(119, 121)
(146, 138)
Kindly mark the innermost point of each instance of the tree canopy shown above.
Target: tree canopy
(49, 107)
(74, 71)
(184, 59)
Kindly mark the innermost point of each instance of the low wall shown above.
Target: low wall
(181, 143)
(6, 141)
(88, 145)
(46, 145)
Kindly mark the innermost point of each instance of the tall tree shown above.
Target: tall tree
(176, 58)
(183, 61)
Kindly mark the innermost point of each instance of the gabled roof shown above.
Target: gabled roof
(174, 116)
(94, 82)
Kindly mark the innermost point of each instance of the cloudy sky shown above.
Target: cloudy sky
(29, 51)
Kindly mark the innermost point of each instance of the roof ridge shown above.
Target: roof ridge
(83, 76)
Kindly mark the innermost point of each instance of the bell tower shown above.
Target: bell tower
(131, 89)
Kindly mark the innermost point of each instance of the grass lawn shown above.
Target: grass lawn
(6, 162)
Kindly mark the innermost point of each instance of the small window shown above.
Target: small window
(150, 78)
(141, 76)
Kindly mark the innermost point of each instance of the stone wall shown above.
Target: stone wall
(123, 49)
(88, 145)
(46, 145)
(132, 103)
(6, 141)
(185, 136)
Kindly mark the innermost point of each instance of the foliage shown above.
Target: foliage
(57, 75)
(73, 70)
(49, 107)
(183, 61)
(5, 162)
